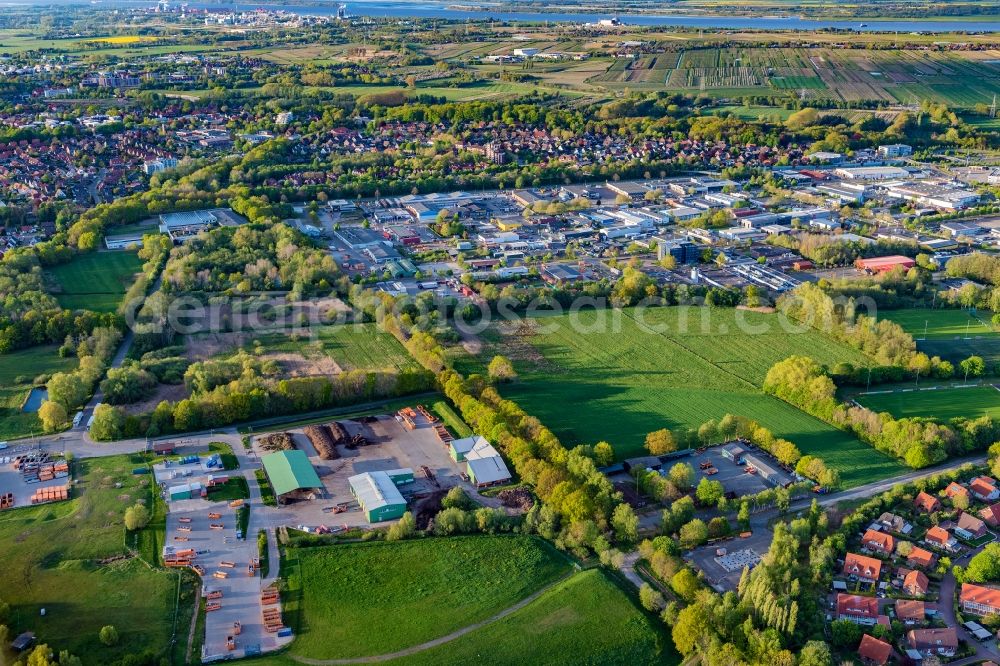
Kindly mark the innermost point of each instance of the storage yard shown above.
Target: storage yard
(31, 476)
(405, 457)
(242, 611)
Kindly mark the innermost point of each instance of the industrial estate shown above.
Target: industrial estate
(520, 335)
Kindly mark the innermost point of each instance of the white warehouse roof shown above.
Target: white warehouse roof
(375, 490)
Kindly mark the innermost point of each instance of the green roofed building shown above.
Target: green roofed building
(290, 472)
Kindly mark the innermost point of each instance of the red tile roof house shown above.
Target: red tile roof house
(940, 538)
(873, 651)
(878, 542)
(857, 609)
(943, 642)
(954, 490)
(969, 526)
(911, 611)
(984, 488)
(927, 503)
(920, 557)
(991, 515)
(866, 569)
(916, 583)
(979, 600)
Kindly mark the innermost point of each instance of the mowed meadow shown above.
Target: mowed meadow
(617, 375)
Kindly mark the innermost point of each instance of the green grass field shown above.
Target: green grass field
(941, 404)
(51, 561)
(944, 324)
(370, 599)
(352, 346)
(17, 372)
(95, 281)
(951, 334)
(585, 619)
(625, 380)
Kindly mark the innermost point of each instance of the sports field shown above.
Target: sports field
(625, 380)
(18, 371)
(52, 559)
(946, 324)
(951, 334)
(942, 404)
(95, 281)
(362, 599)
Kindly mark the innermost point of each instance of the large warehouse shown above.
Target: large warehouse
(378, 496)
(291, 474)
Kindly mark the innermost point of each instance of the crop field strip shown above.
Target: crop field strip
(676, 379)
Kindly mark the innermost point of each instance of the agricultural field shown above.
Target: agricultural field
(942, 404)
(959, 79)
(683, 367)
(53, 560)
(95, 281)
(585, 614)
(18, 371)
(369, 599)
(951, 334)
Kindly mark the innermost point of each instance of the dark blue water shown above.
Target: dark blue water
(35, 399)
(444, 10)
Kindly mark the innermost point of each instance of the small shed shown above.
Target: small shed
(163, 448)
(23, 642)
(181, 492)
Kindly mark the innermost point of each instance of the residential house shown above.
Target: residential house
(970, 527)
(940, 538)
(991, 515)
(921, 557)
(927, 503)
(979, 599)
(878, 542)
(866, 569)
(893, 523)
(857, 609)
(955, 490)
(984, 488)
(874, 652)
(915, 583)
(911, 611)
(940, 642)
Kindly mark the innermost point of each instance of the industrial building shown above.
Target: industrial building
(290, 474)
(185, 226)
(378, 495)
(884, 264)
(484, 465)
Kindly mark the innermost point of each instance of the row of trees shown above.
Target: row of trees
(70, 390)
(801, 381)
(732, 426)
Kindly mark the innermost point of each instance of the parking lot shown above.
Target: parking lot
(732, 476)
(240, 601)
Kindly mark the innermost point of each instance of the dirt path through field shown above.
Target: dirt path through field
(437, 641)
